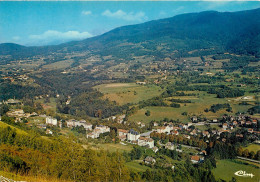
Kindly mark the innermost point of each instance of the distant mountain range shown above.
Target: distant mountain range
(237, 32)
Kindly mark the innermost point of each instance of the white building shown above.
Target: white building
(164, 129)
(142, 141)
(132, 135)
(52, 121)
(97, 131)
(83, 123)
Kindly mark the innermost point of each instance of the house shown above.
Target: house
(141, 83)
(196, 159)
(189, 124)
(203, 152)
(51, 121)
(186, 136)
(49, 132)
(155, 149)
(193, 132)
(250, 130)
(163, 129)
(206, 134)
(155, 124)
(175, 132)
(234, 123)
(97, 131)
(142, 125)
(214, 120)
(121, 118)
(83, 123)
(194, 119)
(142, 141)
(185, 127)
(149, 160)
(71, 123)
(132, 135)
(169, 146)
(103, 129)
(254, 122)
(42, 126)
(16, 113)
(248, 123)
(12, 102)
(224, 126)
(92, 135)
(122, 132)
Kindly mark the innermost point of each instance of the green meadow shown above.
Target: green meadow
(124, 93)
(226, 168)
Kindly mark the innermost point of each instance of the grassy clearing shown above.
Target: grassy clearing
(124, 93)
(19, 131)
(226, 168)
(50, 105)
(253, 147)
(135, 166)
(111, 147)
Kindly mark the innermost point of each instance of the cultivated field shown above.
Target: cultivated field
(124, 93)
(197, 107)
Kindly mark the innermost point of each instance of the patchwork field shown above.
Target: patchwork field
(199, 103)
(124, 93)
(226, 168)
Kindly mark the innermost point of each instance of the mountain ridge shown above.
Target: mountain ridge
(205, 29)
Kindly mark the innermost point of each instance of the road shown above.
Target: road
(246, 159)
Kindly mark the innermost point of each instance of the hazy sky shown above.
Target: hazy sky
(42, 23)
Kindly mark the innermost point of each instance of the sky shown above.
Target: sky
(52, 22)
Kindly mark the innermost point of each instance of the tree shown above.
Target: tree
(147, 113)
(251, 155)
(240, 151)
(245, 153)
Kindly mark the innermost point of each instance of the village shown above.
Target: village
(169, 135)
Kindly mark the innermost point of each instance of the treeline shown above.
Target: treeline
(9, 91)
(89, 104)
(216, 107)
(248, 154)
(238, 63)
(156, 101)
(180, 101)
(222, 91)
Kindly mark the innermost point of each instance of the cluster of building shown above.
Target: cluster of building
(98, 130)
(231, 122)
(19, 113)
(74, 123)
(135, 137)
